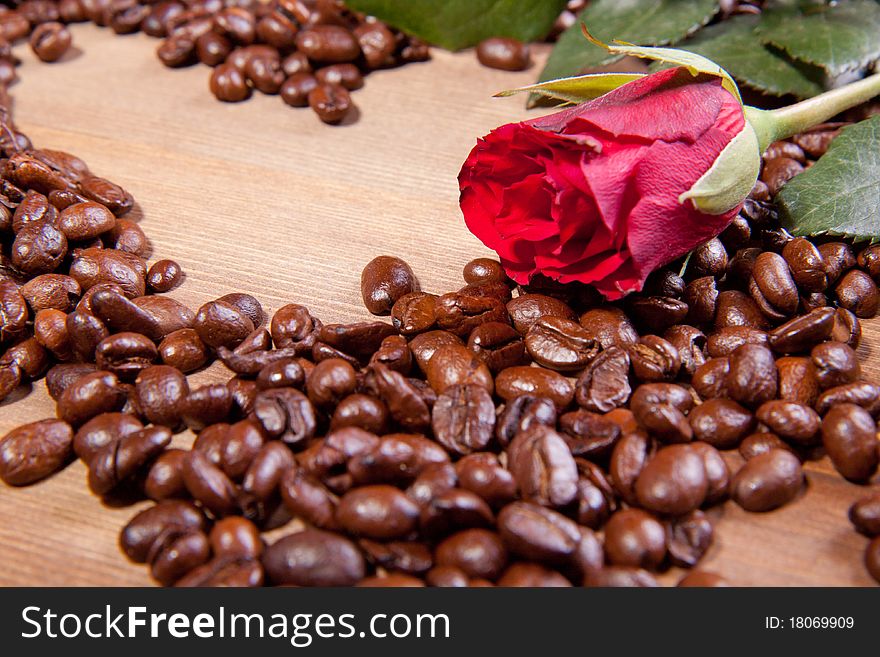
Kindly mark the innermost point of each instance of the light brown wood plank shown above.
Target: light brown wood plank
(263, 199)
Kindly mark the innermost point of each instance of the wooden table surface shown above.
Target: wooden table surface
(260, 198)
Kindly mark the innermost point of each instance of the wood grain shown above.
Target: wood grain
(263, 199)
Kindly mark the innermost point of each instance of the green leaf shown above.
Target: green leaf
(456, 24)
(734, 45)
(838, 38)
(578, 89)
(840, 194)
(645, 22)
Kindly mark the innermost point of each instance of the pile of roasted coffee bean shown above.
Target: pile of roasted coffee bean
(493, 435)
(311, 52)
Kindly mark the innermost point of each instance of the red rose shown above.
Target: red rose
(592, 193)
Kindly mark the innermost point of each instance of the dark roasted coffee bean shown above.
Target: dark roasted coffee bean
(537, 381)
(717, 473)
(212, 49)
(498, 345)
(328, 44)
(209, 485)
(835, 364)
(752, 378)
(482, 474)
(521, 413)
(690, 344)
(397, 458)
(688, 538)
(163, 275)
(634, 538)
(455, 365)
(534, 532)
(50, 41)
(384, 280)
(660, 408)
(34, 451)
(701, 295)
(164, 480)
(804, 332)
(657, 313)
(463, 418)
(363, 411)
(721, 422)
(33, 209)
(543, 467)
(177, 50)
(398, 556)
(861, 393)
(59, 377)
(51, 291)
(228, 83)
(761, 443)
(160, 391)
(293, 326)
(767, 481)
(308, 499)
(872, 559)
(405, 402)
(735, 308)
(610, 326)
(265, 74)
(865, 515)
(424, 345)
(413, 313)
(778, 171)
(806, 264)
(526, 309)
(709, 381)
(113, 464)
(604, 384)
(797, 380)
(589, 434)
(13, 312)
(314, 557)
(144, 534)
(267, 468)
(477, 552)
(560, 344)
(285, 414)
(92, 267)
(379, 512)
(484, 270)
(673, 482)
(708, 259)
(654, 359)
(184, 350)
(858, 293)
(447, 577)
(849, 435)
(125, 354)
(39, 248)
(331, 102)
(205, 406)
(460, 313)
(504, 53)
(296, 88)
(838, 258)
(847, 328)
(791, 421)
(629, 457)
(50, 331)
(346, 75)
(725, 341)
(221, 324)
(90, 395)
(359, 340)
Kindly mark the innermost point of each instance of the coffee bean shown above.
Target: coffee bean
(537, 381)
(734, 308)
(604, 384)
(532, 575)
(50, 41)
(761, 443)
(872, 559)
(629, 457)
(146, 531)
(806, 264)
(838, 258)
(39, 249)
(767, 481)
(634, 538)
(55, 291)
(34, 208)
(13, 312)
(184, 350)
(34, 451)
(328, 44)
(721, 422)
(752, 378)
(460, 312)
(660, 409)
(221, 324)
(125, 354)
(857, 292)
(88, 396)
(266, 470)
(673, 482)
(521, 413)
(791, 421)
(688, 538)
(560, 344)
(463, 418)
(657, 313)
(285, 414)
(314, 557)
(802, 333)
(537, 533)
(849, 435)
(654, 359)
(482, 474)
(701, 295)
(397, 458)
(92, 267)
(543, 467)
(453, 365)
(228, 83)
(265, 74)
(797, 380)
(164, 480)
(331, 102)
(526, 309)
(589, 434)
(406, 403)
(160, 391)
(212, 49)
(709, 380)
(835, 364)
(865, 515)
(361, 411)
(708, 259)
(778, 171)
(163, 275)
(114, 463)
(379, 512)
(208, 484)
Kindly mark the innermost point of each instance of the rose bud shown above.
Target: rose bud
(650, 167)
(608, 191)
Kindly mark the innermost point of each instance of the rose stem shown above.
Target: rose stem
(772, 125)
